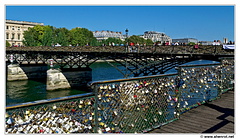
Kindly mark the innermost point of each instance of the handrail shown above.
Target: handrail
(38, 102)
(131, 79)
(200, 65)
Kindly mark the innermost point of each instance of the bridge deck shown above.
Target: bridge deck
(215, 117)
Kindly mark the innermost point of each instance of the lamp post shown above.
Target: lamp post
(126, 40)
(126, 33)
(126, 64)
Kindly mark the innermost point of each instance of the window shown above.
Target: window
(12, 27)
(19, 36)
(7, 27)
(13, 35)
(7, 36)
(18, 28)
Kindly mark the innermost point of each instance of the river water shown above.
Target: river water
(29, 90)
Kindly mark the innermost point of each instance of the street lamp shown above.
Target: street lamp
(126, 33)
(126, 40)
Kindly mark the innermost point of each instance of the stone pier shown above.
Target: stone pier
(68, 78)
(56, 80)
(15, 72)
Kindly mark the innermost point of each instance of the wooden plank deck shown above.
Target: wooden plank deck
(213, 117)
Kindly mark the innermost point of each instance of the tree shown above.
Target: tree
(87, 34)
(112, 40)
(80, 36)
(47, 38)
(61, 36)
(135, 39)
(30, 37)
(34, 36)
(7, 44)
(191, 43)
(94, 42)
(149, 42)
(48, 35)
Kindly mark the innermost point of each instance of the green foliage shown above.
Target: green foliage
(94, 42)
(47, 38)
(30, 37)
(112, 40)
(77, 38)
(137, 39)
(149, 42)
(7, 44)
(191, 43)
(61, 36)
(49, 35)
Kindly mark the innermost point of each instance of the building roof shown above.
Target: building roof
(23, 22)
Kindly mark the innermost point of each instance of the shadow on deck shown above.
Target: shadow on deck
(213, 117)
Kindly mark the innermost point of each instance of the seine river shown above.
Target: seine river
(26, 91)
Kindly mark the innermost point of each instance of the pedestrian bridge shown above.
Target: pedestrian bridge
(134, 61)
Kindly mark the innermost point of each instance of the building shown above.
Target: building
(184, 40)
(103, 35)
(205, 42)
(14, 30)
(157, 36)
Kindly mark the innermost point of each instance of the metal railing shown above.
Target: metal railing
(133, 105)
(131, 49)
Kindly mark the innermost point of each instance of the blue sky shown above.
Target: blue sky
(206, 23)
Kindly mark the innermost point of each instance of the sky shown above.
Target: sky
(205, 23)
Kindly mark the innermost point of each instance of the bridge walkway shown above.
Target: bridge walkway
(213, 117)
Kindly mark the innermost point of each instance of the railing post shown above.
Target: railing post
(178, 92)
(95, 91)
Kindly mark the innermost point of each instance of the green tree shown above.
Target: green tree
(47, 38)
(94, 42)
(40, 30)
(7, 44)
(113, 40)
(34, 36)
(30, 37)
(149, 42)
(191, 43)
(80, 36)
(135, 39)
(87, 34)
(61, 36)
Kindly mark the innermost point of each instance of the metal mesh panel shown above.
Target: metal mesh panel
(136, 106)
(198, 84)
(72, 116)
(227, 74)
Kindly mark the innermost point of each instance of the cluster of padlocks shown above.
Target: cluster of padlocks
(134, 105)
(75, 116)
(200, 84)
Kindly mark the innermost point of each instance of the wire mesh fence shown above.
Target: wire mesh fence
(198, 84)
(136, 105)
(74, 115)
(133, 105)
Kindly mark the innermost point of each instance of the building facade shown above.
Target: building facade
(14, 30)
(103, 35)
(157, 37)
(185, 40)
